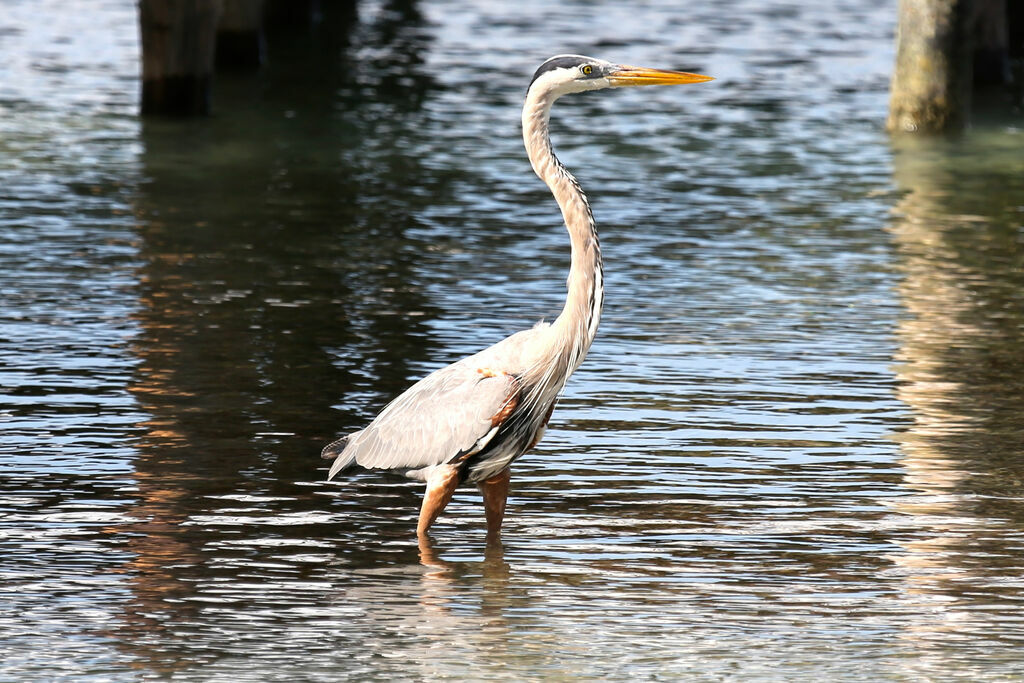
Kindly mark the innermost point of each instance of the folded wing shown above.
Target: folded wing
(450, 413)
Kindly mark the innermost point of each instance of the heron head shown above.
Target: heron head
(564, 74)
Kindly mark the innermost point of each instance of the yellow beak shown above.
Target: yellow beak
(640, 75)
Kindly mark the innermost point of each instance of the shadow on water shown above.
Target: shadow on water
(279, 303)
(961, 370)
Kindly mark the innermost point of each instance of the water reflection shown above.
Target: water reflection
(960, 347)
(418, 620)
(238, 386)
(193, 308)
(222, 290)
(962, 371)
(442, 590)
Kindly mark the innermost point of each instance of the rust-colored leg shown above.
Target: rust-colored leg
(495, 492)
(440, 488)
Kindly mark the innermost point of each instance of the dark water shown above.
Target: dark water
(795, 450)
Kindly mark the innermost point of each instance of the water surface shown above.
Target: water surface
(794, 450)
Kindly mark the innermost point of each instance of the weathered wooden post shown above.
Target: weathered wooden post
(240, 39)
(990, 38)
(931, 85)
(297, 13)
(178, 41)
(1015, 29)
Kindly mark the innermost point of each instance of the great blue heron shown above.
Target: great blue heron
(469, 421)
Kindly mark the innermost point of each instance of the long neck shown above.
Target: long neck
(577, 324)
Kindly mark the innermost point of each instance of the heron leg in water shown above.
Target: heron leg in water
(440, 487)
(495, 492)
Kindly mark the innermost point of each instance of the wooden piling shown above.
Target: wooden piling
(944, 50)
(178, 44)
(297, 13)
(1015, 29)
(990, 38)
(930, 89)
(240, 40)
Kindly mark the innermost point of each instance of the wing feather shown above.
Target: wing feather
(451, 412)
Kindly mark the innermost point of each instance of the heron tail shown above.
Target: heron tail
(336, 451)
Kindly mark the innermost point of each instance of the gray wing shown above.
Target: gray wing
(453, 411)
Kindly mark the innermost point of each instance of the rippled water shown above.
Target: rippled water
(794, 451)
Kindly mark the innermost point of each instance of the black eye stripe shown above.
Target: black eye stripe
(560, 62)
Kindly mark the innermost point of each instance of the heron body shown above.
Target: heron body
(468, 421)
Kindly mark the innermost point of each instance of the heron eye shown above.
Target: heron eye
(587, 69)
